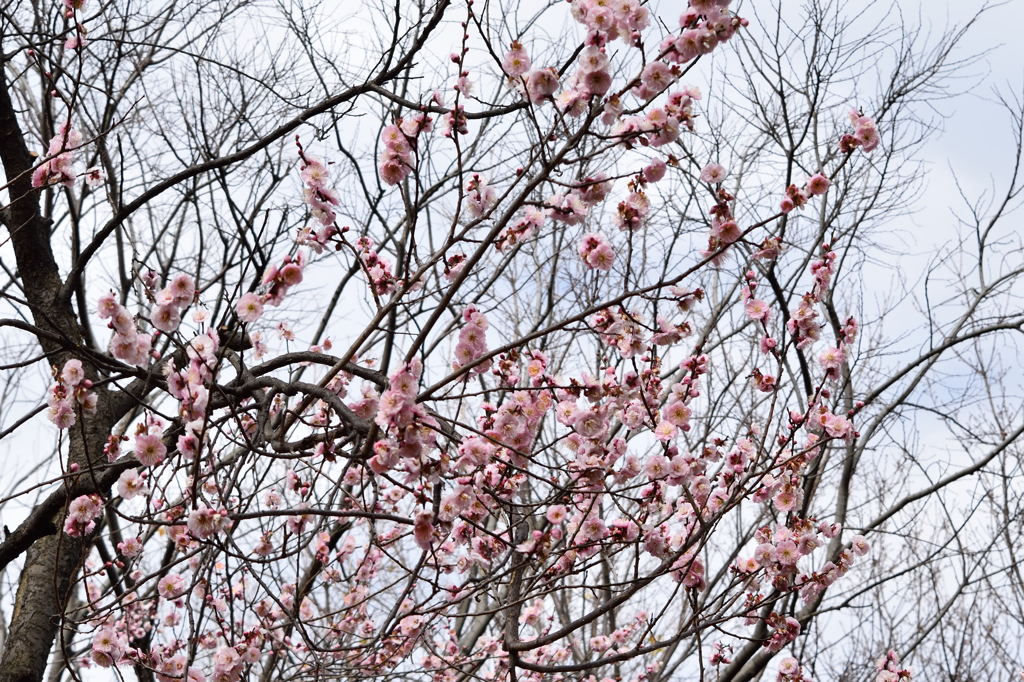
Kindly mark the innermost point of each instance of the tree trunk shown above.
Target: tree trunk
(53, 561)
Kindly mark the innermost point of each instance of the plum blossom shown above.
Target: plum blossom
(82, 514)
(817, 184)
(60, 158)
(480, 196)
(171, 586)
(108, 646)
(713, 173)
(472, 342)
(249, 307)
(130, 484)
(865, 134)
(149, 449)
(541, 84)
(596, 252)
(204, 522)
(890, 669)
(70, 392)
(516, 61)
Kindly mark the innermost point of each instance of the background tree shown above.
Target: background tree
(456, 340)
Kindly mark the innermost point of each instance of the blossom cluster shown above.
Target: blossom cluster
(489, 492)
(411, 430)
(657, 127)
(596, 252)
(522, 229)
(320, 197)
(472, 342)
(58, 168)
(797, 197)
(705, 25)
(279, 279)
(890, 670)
(399, 147)
(377, 268)
(188, 384)
(610, 21)
(127, 343)
(480, 196)
(82, 514)
(71, 389)
(171, 301)
(865, 134)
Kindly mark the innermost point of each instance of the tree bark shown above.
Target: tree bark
(53, 560)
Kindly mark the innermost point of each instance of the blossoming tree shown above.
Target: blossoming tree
(433, 342)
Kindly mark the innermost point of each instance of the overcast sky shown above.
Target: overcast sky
(976, 143)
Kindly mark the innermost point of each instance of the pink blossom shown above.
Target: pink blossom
(130, 483)
(204, 522)
(149, 449)
(757, 310)
(817, 184)
(171, 586)
(249, 307)
(713, 173)
(541, 84)
(655, 170)
(166, 318)
(555, 514)
(423, 530)
(516, 61)
(860, 545)
(656, 76)
(72, 373)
